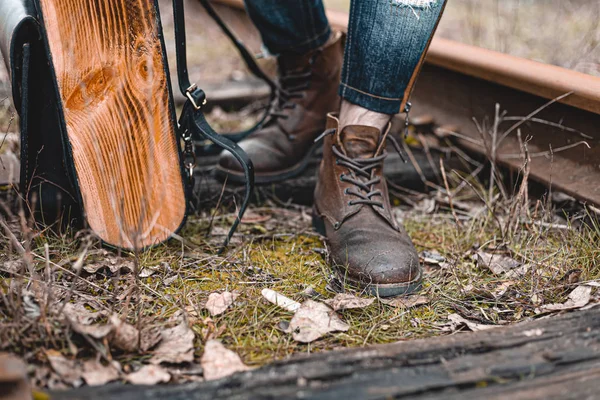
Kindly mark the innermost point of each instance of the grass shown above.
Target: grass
(277, 249)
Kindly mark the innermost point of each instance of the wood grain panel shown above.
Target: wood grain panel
(111, 76)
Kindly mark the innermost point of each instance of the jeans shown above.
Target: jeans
(387, 41)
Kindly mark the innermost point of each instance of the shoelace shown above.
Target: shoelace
(362, 168)
(291, 86)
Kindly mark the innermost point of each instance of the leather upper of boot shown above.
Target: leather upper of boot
(352, 198)
(309, 85)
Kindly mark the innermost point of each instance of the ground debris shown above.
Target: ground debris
(578, 298)
(498, 264)
(113, 264)
(14, 383)
(281, 300)
(124, 336)
(149, 375)
(345, 301)
(314, 320)
(96, 374)
(68, 370)
(456, 321)
(218, 361)
(406, 302)
(177, 345)
(218, 303)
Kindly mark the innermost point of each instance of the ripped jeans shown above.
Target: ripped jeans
(387, 41)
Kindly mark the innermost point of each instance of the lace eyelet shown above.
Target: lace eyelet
(342, 176)
(346, 191)
(336, 226)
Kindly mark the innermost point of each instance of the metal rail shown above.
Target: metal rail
(460, 83)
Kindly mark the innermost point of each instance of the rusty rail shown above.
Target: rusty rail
(460, 83)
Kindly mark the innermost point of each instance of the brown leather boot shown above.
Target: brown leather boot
(284, 146)
(352, 209)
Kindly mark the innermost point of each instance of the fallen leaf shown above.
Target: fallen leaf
(343, 301)
(313, 320)
(96, 374)
(13, 266)
(498, 264)
(579, 297)
(68, 370)
(219, 302)
(518, 272)
(114, 265)
(502, 289)
(125, 337)
(77, 312)
(406, 302)
(177, 345)
(456, 321)
(95, 331)
(218, 361)
(149, 375)
(280, 300)
(146, 272)
(13, 378)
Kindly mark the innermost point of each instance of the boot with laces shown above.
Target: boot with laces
(368, 248)
(308, 91)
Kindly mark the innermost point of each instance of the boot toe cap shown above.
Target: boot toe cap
(387, 260)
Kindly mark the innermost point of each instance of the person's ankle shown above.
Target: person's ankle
(352, 114)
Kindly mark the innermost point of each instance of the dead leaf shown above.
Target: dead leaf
(579, 297)
(13, 378)
(114, 265)
(406, 302)
(219, 302)
(502, 289)
(343, 301)
(498, 264)
(13, 266)
(96, 374)
(456, 321)
(95, 331)
(219, 362)
(313, 320)
(177, 345)
(125, 337)
(77, 312)
(149, 375)
(146, 272)
(68, 370)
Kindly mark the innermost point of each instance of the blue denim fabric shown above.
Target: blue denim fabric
(296, 26)
(386, 41)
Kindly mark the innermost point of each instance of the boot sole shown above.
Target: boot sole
(374, 289)
(273, 177)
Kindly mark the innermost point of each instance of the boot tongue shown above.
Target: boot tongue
(360, 141)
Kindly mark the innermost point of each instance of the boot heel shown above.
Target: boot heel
(318, 223)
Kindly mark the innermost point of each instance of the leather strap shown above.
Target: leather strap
(192, 120)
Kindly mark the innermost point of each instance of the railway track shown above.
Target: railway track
(560, 110)
(461, 84)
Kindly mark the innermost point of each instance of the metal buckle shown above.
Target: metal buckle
(188, 94)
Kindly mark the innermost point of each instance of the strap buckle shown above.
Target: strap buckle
(189, 95)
